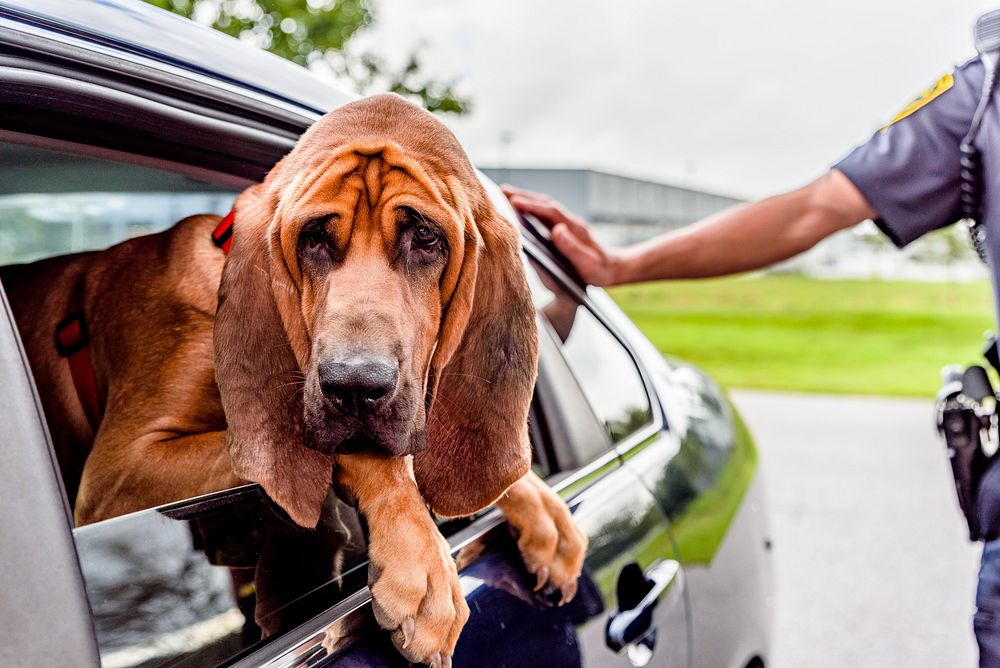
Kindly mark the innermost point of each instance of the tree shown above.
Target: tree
(315, 32)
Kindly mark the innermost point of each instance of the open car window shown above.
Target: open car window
(207, 580)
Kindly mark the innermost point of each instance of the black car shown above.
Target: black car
(117, 119)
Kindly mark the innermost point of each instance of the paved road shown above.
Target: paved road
(872, 564)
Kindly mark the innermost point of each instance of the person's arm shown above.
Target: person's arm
(744, 238)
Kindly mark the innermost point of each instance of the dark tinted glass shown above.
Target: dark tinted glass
(605, 370)
(202, 583)
(607, 375)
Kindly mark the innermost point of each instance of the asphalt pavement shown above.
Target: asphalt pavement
(872, 563)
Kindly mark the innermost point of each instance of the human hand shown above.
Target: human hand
(572, 237)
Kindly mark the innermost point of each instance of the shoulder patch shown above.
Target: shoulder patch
(940, 87)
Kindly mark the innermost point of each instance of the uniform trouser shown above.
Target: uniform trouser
(987, 620)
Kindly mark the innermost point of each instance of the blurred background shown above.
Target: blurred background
(644, 116)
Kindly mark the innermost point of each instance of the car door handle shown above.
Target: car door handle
(630, 624)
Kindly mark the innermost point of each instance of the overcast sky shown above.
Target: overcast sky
(744, 98)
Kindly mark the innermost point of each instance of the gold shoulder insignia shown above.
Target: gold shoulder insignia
(940, 87)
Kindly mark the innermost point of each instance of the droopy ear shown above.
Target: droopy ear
(258, 371)
(483, 370)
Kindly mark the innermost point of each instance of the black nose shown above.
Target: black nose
(359, 384)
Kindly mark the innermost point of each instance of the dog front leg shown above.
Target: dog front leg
(413, 579)
(551, 545)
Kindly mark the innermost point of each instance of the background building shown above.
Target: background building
(622, 209)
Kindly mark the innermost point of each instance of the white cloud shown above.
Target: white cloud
(742, 97)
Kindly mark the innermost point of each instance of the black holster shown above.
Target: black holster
(961, 423)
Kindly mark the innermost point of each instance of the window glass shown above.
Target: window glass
(197, 585)
(607, 375)
(603, 367)
(52, 203)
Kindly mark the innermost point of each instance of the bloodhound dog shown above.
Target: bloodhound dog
(371, 329)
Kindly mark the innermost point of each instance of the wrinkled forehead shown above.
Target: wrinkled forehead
(380, 141)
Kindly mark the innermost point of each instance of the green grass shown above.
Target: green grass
(802, 334)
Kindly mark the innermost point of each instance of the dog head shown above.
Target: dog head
(374, 299)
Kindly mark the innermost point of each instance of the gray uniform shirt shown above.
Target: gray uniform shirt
(909, 170)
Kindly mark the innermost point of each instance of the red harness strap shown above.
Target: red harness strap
(73, 339)
(73, 343)
(222, 235)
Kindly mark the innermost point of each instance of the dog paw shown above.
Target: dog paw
(415, 591)
(551, 545)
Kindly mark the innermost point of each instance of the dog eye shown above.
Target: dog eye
(314, 242)
(424, 236)
(313, 238)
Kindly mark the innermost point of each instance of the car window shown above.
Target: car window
(603, 367)
(52, 203)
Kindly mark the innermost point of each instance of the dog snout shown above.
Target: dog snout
(359, 385)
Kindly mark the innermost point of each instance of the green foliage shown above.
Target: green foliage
(309, 31)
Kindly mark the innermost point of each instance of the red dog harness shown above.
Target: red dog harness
(73, 339)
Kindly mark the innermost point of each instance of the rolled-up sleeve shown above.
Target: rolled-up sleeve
(909, 170)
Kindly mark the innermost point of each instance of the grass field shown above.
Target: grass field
(802, 334)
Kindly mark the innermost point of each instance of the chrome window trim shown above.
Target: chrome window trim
(307, 638)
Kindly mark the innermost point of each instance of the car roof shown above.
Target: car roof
(133, 27)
